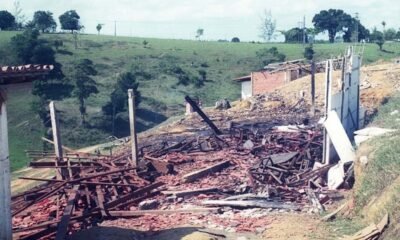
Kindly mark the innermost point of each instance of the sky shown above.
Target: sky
(220, 19)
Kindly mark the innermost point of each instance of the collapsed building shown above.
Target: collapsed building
(287, 158)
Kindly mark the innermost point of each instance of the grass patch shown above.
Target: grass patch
(163, 98)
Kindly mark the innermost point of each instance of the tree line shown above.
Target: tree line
(333, 22)
(42, 20)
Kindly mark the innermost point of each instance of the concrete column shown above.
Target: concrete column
(5, 189)
(132, 123)
(56, 138)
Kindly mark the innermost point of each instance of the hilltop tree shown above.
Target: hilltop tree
(333, 21)
(54, 86)
(349, 33)
(378, 38)
(295, 35)
(383, 25)
(85, 86)
(309, 52)
(390, 34)
(18, 15)
(235, 40)
(44, 21)
(7, 20)
(199, 33)
(270, 55)
(98, 28)
(119, 96)
(268, 26)
(70, 21)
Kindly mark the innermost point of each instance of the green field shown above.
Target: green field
(162, 97)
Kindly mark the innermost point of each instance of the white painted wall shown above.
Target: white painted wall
(246, 89)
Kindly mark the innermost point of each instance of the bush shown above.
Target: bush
(235, 40)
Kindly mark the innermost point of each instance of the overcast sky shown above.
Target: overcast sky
(220, 19)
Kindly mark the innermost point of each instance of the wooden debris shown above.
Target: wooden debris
(252, 204)
(333, 214)
(184, 193)
(193, 176)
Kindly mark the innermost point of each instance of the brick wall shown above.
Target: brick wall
(264, 82)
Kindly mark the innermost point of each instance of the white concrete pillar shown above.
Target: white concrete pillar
(5, 189)
(132, 124)
(56, 139)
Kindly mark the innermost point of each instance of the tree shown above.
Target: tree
(309, 52)
(199, 33)
(268, 26)
(390, 34)
(383, 25)
(270, 55)
(23, 45)
(203, 75)
(235, 40)
(350, 33)
(7, 20)
(84, 84)
(44, 21)
(98, 28)
(53, 86)
(119, 96)
(333, 21)
(19, 16)
(378, 38)
(70, 21)
(295, 35)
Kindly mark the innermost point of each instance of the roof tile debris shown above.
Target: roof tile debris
(227, 174)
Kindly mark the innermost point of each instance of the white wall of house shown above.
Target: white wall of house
(246, 89)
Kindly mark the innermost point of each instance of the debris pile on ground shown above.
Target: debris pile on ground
(202, 178)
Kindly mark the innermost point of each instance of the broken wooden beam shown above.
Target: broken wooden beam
(252, 204)
(160, 212)
(203, 115)
(190, 192)
(193, 176)
(62, 227)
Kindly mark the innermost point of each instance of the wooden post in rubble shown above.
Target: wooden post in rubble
(5, 189)
(313, 87)
(328, 105)
(132, 123)
(57, 139)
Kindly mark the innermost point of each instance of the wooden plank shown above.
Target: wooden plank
(193, 176)
(62, 226)
(332, 215)
(100, 201)
(251, 204)
(160, 212)
(134, 194)
(190, 192)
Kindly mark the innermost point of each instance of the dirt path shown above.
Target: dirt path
(295, 226)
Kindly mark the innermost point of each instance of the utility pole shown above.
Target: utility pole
(5, 189)
(132, 123)
(356, 29)
(60, 174)
(115, 28)
(304, 30)
(313, 87)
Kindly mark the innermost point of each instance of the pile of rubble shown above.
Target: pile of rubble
(202, 178)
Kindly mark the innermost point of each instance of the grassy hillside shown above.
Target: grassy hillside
(162, 97)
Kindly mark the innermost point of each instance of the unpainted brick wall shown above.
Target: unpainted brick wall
(264, 82)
